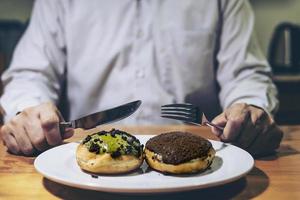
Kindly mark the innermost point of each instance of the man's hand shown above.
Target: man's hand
(248, 127)
(34, 129)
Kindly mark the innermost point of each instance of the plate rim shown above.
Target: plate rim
(141, 190)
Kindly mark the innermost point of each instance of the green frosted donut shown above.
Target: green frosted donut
(114, 142)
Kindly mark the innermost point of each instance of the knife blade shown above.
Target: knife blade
(102, 117)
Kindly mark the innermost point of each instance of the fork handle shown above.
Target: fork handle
(214, 125)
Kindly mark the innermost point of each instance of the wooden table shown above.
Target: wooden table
(273, 177)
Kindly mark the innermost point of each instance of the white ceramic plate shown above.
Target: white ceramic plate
(59, 164)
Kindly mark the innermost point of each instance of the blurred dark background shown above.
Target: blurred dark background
(281, 44)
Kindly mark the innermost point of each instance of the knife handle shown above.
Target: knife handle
(63, 126)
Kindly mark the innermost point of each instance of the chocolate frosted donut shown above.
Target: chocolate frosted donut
(179, 152)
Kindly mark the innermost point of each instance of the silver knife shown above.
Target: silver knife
(103, 117)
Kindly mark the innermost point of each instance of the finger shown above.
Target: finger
(235, 122)
(65, 132)
(259, 117)
(220, 120)
(266, 142)
(255, 125)
(69, 132)
(36, 134)
(247, 135)
(10, 141)
(21, 137)
(61, 118)
(50, 125)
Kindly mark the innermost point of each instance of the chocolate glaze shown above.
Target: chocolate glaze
(178, 147)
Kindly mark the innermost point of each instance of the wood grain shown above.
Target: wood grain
(273, 177)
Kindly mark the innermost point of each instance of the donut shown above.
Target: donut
(179, 153)
(109, 152)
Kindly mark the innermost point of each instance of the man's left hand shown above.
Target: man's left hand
(248, 127)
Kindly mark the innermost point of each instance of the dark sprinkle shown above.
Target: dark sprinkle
(133, 147)
(94, 147)
(94, 176)
(139, 154)
(102, 133)
(130, 140)
(137, 148)
(113, 134)
(129, 148)
(115, 154)
(88, 138)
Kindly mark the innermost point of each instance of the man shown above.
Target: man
(112, 52)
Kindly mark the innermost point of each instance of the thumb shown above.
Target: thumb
(219, 120)
(50, 123)
(65, 132)
(69, 132)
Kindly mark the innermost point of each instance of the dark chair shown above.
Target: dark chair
(10, 33)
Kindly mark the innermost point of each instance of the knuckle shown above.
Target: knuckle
(241, 106)
(261, 116)
(49, 120)
(49, 105)
(14, 121)
(38, 140)
(237, 120)
(18, 120)
(13, 148)
(53, 138)
(4, 129)
(28, 111)
(27, 150)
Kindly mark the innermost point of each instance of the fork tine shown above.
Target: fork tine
(182, 118)
(179, 113)
(178, 110)
(182, 105)
(178, 107)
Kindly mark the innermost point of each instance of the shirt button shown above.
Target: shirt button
(140, 34)
(140, 74)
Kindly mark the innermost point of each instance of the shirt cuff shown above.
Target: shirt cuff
(10, 109)
(257, 103)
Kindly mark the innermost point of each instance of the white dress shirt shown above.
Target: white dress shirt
(158, 51)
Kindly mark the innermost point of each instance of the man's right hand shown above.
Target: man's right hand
(33, 130)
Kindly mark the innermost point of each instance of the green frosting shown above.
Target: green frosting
(115, 142)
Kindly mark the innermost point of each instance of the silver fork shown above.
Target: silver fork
(188, 113)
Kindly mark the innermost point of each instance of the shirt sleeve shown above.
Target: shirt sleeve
(243, 73)
(38, 63)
